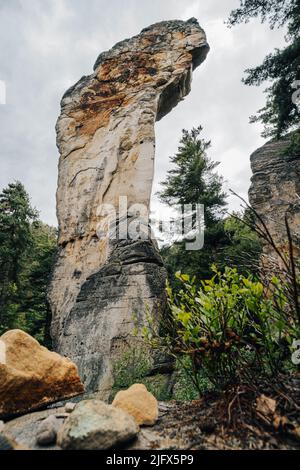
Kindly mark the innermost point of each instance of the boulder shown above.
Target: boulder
(93, 425)
(31, 376)
(139, 403)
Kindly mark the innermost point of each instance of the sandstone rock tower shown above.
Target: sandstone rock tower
(106, 140)
(275, 191)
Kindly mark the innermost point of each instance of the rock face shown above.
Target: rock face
(139, 403)
(93, 425)
(275, 190)
(32, 376)
(106, 140)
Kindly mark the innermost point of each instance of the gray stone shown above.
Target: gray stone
(24, 428)
(46, 438)
(93, 425)
(47, 431)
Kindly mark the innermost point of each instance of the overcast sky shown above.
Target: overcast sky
(47, 45)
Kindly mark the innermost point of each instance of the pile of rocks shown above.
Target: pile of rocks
(33, 377)
(87, 425)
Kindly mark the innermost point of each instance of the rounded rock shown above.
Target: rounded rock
(94, 425)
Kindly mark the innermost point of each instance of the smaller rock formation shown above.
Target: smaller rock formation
(139, 403)
(93, 425)
(31, 376)
(275, 191)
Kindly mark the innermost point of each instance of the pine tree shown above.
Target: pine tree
(193, 180)
(26, 251)
(16, 216)
(282, 67)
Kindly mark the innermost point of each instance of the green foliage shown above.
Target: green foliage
(227, 330)
(282, 67)
(195, 263)
(131, 367)
(26, 250)
(193, 180)
(184, 387)
(226, 242)
(135, 366)
(243, 249)
(293, 149)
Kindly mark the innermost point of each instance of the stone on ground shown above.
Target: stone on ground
(69, 407)
(47, 431)
(93, 425)
(139, 403)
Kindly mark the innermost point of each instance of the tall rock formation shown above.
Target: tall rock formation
(275, 190)
(106, 140)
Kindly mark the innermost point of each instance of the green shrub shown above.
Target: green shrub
(228, 330)
(184, 388)
(135, 366)
(293, 148)
(131, 367)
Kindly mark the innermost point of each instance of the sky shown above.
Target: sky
(47, 45)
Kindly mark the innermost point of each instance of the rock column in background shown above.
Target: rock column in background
(275, 192)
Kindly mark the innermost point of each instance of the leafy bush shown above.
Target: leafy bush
(293, 148)
(184, 387)
(228, 330)
(131, 367)
(135, 366)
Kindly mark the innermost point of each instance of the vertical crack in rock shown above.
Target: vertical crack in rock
(106, 126)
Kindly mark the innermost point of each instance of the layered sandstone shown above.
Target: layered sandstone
(275, 192)
(106, 140)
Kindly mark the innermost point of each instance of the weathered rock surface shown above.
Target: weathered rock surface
(47, 431)
(106, 140)
(275, 190)
(8, 443)
(93, 425)
(31, 376)
(24, 428)
(139, 403)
